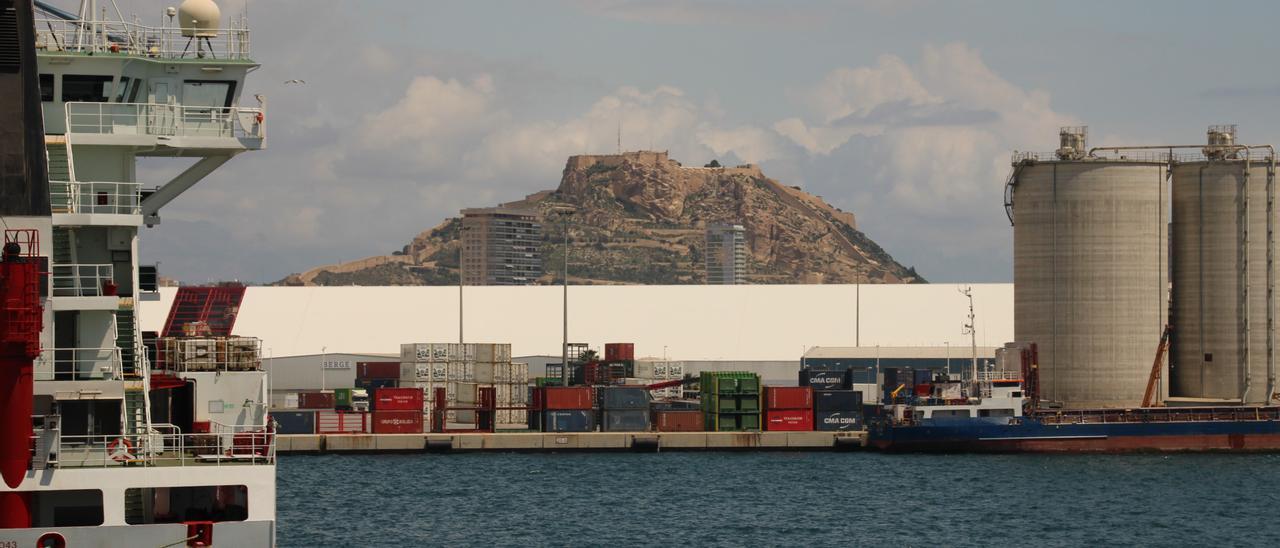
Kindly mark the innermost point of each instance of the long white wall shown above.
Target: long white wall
(745, 322)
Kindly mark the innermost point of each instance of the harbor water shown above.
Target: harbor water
(736, 499)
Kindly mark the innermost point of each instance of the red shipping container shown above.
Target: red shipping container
(619, 352)
(397, 399)
(789, 420)
(378, 370)
(568, 398)
(397, 422)
(678, 421)
(788, 397)
(315, 400)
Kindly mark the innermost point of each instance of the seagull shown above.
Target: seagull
(295, 81)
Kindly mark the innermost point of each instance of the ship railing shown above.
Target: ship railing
(82, 280)
(165, 120)
(1160, 414)
(163, 445)
(95, 197)
(131, 38)
(79, 364)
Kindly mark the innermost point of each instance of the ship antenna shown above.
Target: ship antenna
(971, 331)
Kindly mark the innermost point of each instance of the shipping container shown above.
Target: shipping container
(569, 421)
(372, 385)
(342, 398)
(789, 420)
(627, 397)
(467, 392)
(519, 373)
(377, 370)
(397, 422)
(837, 400)
(625, 420)
(825, 379)
(619, 352)
(398, 399)
(678, 421)
(315, 400)
(294, 422)
(341, 422)
(568, 398)
(788, 397)
(837, 420)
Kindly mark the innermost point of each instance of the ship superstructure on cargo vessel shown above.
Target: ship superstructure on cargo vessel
(106, 445)
(1098, 233)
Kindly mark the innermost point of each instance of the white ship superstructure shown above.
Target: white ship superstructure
(172, 449)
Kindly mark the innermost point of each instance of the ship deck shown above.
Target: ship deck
(569, 442)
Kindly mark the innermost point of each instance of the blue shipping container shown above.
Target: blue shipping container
(294, 422)
(628, 420)
(623, 398)
(825, 379)
(837, 400)
(569, 421)
(827, 421)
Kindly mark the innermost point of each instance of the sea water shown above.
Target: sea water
(778, 499)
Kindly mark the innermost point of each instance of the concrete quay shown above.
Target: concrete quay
(553, 442)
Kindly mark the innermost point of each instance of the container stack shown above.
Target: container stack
(789, 408)
(837, 410)
(648, 371)
(316, 399)
(730, 401)
(371, 376)
(619, 362)
(397, 411)
(564, 409)
(463, 368)
(624, 408)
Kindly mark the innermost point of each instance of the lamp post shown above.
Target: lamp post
(462, 246)
(564, 211)
(324, 355)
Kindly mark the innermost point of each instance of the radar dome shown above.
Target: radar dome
(199, 18)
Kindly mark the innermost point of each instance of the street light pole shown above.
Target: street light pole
(462, 245)
(564, 348)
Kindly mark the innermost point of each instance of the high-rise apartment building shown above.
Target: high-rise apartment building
(726, 255)
(501, 246)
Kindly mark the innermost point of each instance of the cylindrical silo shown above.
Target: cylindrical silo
(1090, 273)
(1221, 303)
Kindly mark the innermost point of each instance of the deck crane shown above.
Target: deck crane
(1148, 398)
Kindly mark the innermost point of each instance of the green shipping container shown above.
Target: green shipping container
(342, 397)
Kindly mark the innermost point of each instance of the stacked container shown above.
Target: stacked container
(837, 410)
(462, 368)
(294, 422)
(649, 371)
(790, 408)
(624, 409)
(565, 409)
(397, 411)
(371, 376)
(318, 399)
(730, 401)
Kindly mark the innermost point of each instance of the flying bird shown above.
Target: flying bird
(295, 81)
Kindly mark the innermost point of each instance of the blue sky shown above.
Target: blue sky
(903, 112)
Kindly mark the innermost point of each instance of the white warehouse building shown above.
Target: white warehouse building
(689, 322)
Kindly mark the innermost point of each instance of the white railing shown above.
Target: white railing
(107, 37)
(152, 119)
(79, 364)
(96, 197)
(81, 280)
(165, 446)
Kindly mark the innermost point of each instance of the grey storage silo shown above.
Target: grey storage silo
(1221, 307)
(1090, 273)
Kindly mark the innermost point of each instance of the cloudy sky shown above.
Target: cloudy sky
(904, 112)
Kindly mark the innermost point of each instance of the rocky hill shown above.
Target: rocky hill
(640, 219)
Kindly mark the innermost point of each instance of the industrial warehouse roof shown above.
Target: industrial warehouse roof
(689, 322)
(897, 352)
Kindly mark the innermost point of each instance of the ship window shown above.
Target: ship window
(207, 93)
(69, 508)
(179, 504)
(90, 88)
(46, 87)
(133, 94)
(950, 413)
(995, 412)
(122, 88)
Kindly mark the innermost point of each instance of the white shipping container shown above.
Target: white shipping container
(408, 371)
(502, 352)
(439, 352)
(513, 418)
(439, 371)
(484, 352)
(675, 370)
(659, 370)
(519, 393)
(460, 372)
(870, 395)
(486, 372)
(644, 369)
(519, 373)
(467, 392)
(502, 394)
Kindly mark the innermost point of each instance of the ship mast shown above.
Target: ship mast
(970, 330)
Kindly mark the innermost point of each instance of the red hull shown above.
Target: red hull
(1259, 443)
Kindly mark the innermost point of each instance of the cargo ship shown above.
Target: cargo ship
(103, 443)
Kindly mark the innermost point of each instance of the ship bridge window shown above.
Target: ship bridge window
(179, 504)
(208, 93)
(67, 508)
(995, 412)
(89, 88)
(122, 88)
(950, 413)
(46, 87)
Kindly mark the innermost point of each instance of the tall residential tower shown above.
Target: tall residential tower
(501, 246)
(726, 256)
